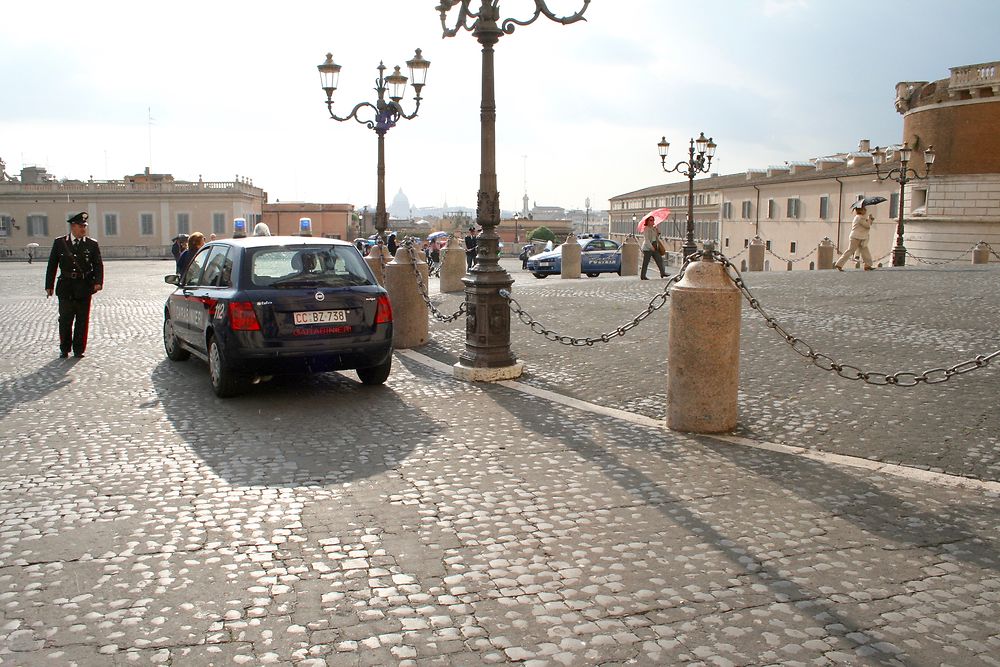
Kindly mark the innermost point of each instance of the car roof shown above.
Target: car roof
(279, 241)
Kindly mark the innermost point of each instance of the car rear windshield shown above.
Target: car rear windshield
(308, 266)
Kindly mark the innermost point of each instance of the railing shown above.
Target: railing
(974, 76)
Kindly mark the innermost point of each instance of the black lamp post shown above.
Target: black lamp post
(699, 161)
(517, 219)
(487, 324)
(387, 113)
(902, 174)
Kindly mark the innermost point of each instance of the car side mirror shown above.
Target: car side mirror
(173, 279)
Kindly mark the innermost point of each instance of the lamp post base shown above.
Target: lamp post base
(471, 374)
(899, 256)
(689, 249)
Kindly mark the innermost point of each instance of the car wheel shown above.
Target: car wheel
(375, 374)
(225, 382)
(172, 344)
(593, 275)
(540, 275)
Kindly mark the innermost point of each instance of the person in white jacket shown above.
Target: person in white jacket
(860, 229)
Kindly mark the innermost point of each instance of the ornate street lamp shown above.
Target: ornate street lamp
(387, 112)
(487, 354)
(699, 161)
(902, 174)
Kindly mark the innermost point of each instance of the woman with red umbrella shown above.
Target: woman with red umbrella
(649, 227)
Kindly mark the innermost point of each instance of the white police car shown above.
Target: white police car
(598, 255)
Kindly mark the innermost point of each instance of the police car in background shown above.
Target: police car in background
(267, 305)
(598, 255)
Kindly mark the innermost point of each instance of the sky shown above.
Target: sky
(223, 88)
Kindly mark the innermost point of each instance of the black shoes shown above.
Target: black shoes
(78, 355)
(643, 278)
(63, 355)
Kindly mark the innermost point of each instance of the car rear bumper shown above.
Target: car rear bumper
(311, 356)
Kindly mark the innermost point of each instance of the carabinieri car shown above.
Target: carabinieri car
(261, 306)
(597, 256)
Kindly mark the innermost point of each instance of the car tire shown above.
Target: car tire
(225, 381)
(593, 275)
(172, 344)
(375, 375)
(540, 275)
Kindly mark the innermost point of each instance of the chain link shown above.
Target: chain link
(655, 304)
(846, 371)
(408, 244)
(793, 261)
(938, 263)
(992, 251)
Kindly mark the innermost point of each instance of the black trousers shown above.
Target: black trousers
(646, 254)
(74, 319)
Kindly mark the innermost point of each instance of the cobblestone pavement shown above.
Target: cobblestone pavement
(433, 522)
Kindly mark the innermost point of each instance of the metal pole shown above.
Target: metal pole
(487, 330)
(899, 252)
(381, 216)
(689, 245)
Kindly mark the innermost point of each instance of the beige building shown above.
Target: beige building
(136, 216)
(793, 206)
(330, 220)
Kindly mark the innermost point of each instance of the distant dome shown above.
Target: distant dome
(400, 207)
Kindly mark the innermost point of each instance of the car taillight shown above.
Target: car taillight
(242, 317)
(383, 312)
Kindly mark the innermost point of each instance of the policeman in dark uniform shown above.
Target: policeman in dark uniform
(81, 275)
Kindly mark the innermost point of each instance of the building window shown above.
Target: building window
(727, 210)
(146, 224)
(111, 224)
(791, 247)
(767, 245)
(218, 223)
(824, 207)
(794, 207)
(894, 205)
(38, 225)
(727, 241)
(918, 199)
(183, 223)
(747, 209)
(6, 224)
(746, 243)
(772, 209)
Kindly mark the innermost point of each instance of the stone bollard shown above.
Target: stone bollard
(756, 254)
(981, 253)
(453, 266)
(824, 254)
(630, 256)
(571, 257)
(703, 350)
(409, 310)
(377, 257)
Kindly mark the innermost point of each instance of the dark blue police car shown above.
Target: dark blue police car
(261, 306)
(598, 255)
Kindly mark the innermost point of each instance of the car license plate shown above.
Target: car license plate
(319, 316)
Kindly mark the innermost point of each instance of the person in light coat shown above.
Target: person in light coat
(650, 235)
(860, 230)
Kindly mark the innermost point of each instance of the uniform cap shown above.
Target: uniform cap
(79, 218)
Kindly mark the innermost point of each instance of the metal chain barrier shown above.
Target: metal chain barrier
(938, 263)
(992, 251)
(846, 371)
(792, 261)
(408, 243)
(655, 304)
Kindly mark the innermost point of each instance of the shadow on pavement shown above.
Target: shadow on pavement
(315, 430)
(812, 483)
(35, 385)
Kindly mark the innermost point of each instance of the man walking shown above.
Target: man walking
(471, 241)
(81, 275)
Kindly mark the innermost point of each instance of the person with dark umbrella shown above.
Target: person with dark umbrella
(77, 257)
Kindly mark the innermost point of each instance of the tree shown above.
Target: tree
(542, 234)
